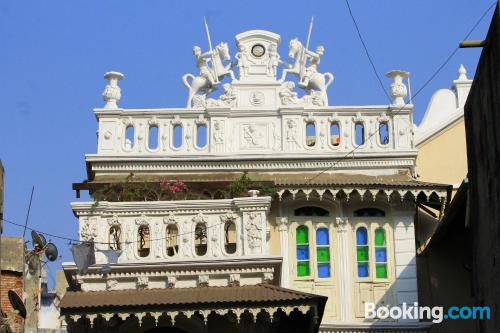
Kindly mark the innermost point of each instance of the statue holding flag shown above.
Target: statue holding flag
(210, 76)
(305, 67)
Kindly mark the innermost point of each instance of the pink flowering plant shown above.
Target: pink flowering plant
(134, 190)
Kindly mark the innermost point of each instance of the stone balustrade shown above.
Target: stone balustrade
(211, 133)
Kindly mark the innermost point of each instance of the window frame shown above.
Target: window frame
(371, 224)
(330, 124)
(314, 223)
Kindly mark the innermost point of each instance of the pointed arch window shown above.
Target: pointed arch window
(323, 252)
(143, 241)
(303, 258)
(129, 137)
(115, 234)
(172, 240)
(230, 237)
(362, 252)
(380, 254)
(310, 134)
(200, 239)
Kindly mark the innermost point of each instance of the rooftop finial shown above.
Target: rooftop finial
(462, 73)
(398, 88)
(112, 92)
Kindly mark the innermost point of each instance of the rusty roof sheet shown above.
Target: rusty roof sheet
(290, 179)
(199, 296)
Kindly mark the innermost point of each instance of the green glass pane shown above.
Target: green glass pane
(381, 271)
(380, 237)
(323, 254)
(303, 268)
(302, 236)
(362, 253)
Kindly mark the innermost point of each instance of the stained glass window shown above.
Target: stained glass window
(362, 252)
(380, 254)
(323, 252)
(302, 241)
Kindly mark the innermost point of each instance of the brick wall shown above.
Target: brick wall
(14, 281)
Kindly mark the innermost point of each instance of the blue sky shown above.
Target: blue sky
(55, 52)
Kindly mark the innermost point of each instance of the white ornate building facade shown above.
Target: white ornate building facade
(182, 247)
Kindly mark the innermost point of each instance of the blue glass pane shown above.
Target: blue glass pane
(361, 236)
(323, 270)
(363, 269)
(381, 254)
(302, 252)
(322, 236)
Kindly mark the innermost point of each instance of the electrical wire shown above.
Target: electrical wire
(435, 73)
(77, 241)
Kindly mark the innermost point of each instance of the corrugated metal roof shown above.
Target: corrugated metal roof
(293, 178)
(261, 293)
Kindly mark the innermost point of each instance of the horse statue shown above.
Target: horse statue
(209, 76)
(309, 78)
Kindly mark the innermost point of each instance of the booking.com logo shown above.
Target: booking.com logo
(435, 313)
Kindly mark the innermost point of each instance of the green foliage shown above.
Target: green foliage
(241, 186)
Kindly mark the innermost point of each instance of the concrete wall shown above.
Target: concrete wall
(443, 158)
(482, 122)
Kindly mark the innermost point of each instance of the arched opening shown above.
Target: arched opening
(302, 247)
(311, 211)
(143, 241)
(200, 239)
(380, 254)
(323, 252)
(129, 137)
(359, 133)
(230, 237)
(172, 235)
(362, 252)
(153, 137)
(369, 212)
(383, 132)
(335, 133)
(310, 134)
(115, 234)
(201, 136)
(177, 136)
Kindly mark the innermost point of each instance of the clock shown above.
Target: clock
(258, 50)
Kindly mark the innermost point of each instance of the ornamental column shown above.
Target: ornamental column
(345, 278)
(283, 231)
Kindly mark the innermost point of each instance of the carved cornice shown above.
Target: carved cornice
(312, 162)
(169, 208)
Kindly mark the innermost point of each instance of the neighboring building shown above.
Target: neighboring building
(12, 266)
(49, 320)
(440, 137)
(461, 261)
(329, 231)
(483, 152)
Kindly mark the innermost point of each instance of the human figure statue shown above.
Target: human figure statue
(243, 60)
(202, 60)
(212, 71)
(312, 81)
(287, 95)
(229, 96)
(312, 67)
(274, 60)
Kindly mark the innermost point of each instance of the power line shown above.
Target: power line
(73, 240)
(436, 72)
(366, 51)
(77, 241)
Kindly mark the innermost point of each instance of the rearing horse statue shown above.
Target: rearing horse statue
(209, 77)
(310, 79)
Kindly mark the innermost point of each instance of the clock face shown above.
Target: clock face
(258, 50)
